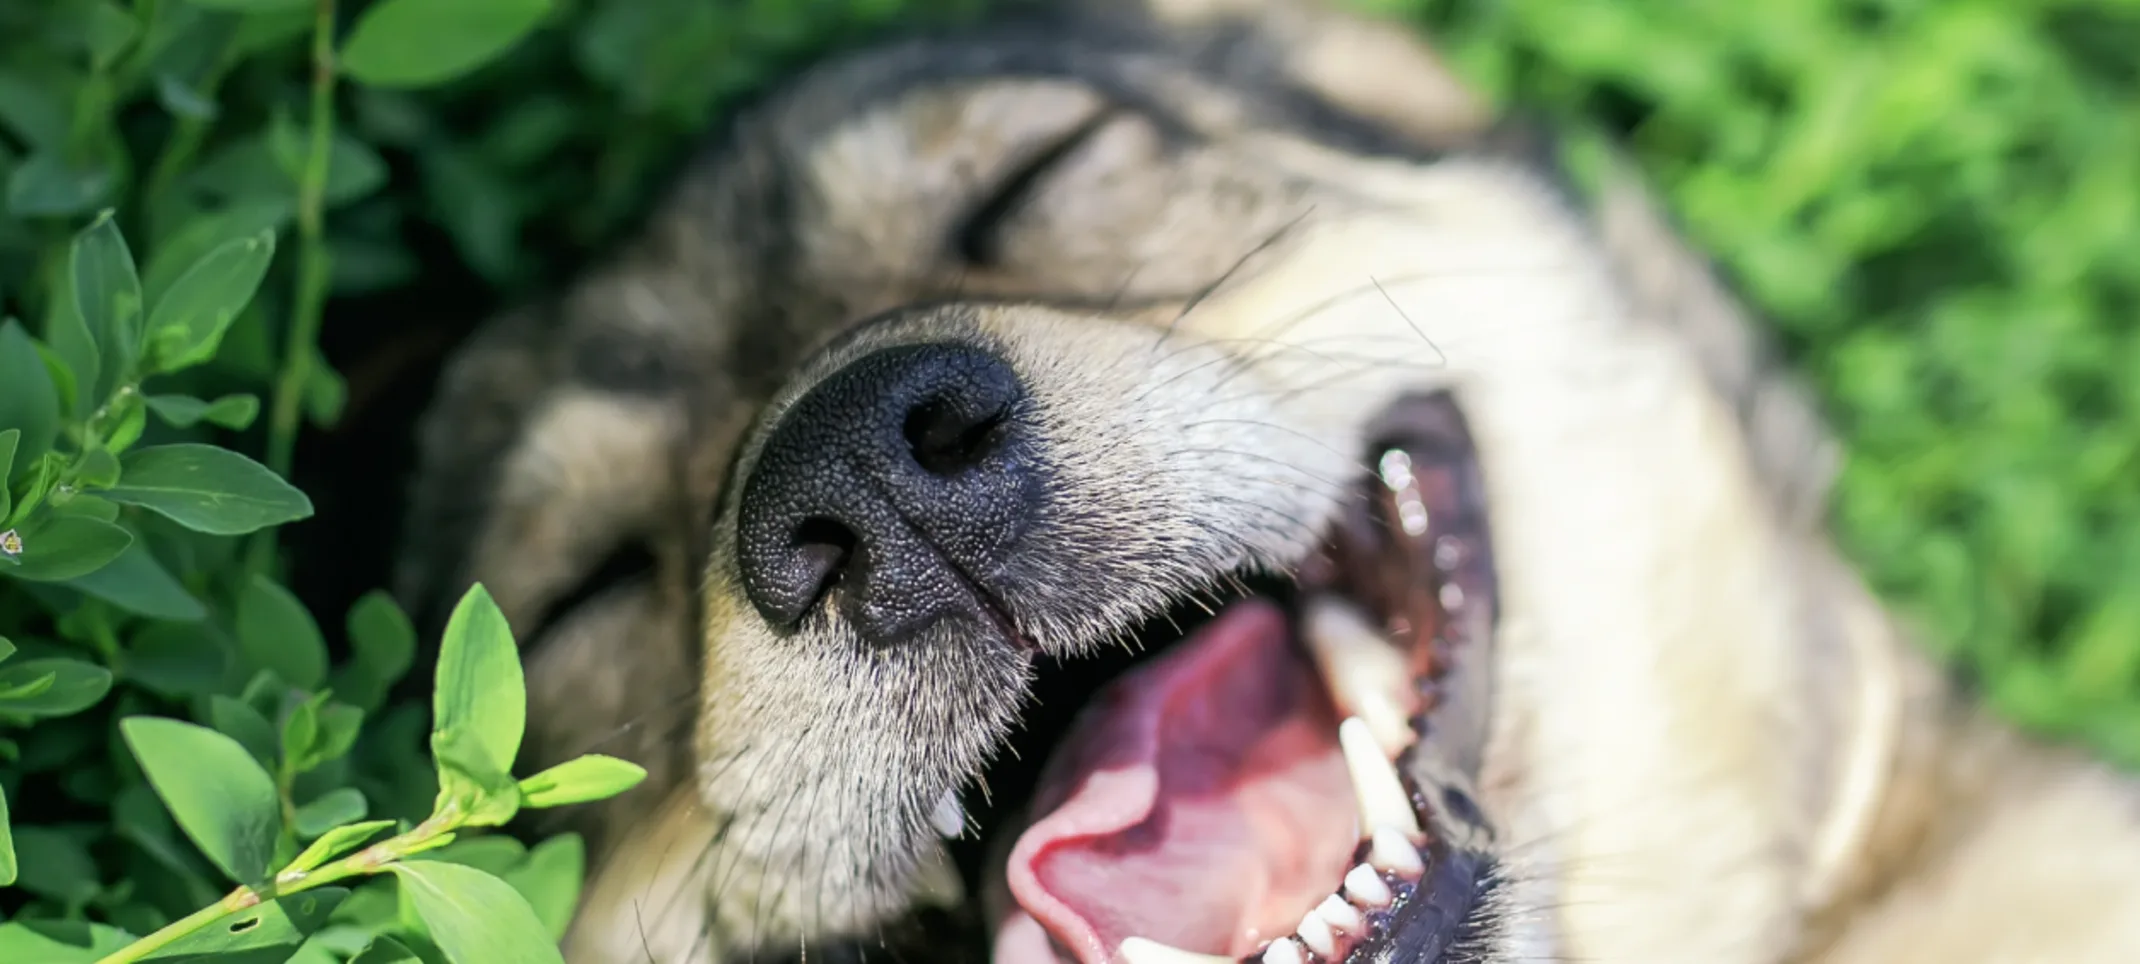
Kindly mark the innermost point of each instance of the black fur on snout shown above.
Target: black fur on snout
(897, 487)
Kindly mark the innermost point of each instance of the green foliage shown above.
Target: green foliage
(173, 719)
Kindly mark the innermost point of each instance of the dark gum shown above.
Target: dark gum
(1373, 561)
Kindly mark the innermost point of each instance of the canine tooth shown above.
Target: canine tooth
(1367, 887)
(1396, 468)
(1341, 915)
(1392, 852)
(1137, 950)
(949, 818)
(1284, 950)
(1315, 933)
(1365, 673)
(1383, 803)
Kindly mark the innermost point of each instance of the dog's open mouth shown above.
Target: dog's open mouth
(1291, 780)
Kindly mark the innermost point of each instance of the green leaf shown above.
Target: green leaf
(240, 722)
(56, 547)
(35, 107)
(332, 843)
(283, 922)
(9, 439)
(29, 402)
(276, 632)
(479, 710)
(481, 691)
(384, 950)
(46, 186)
(56, 865)
(325, 393)
(133, 419)
(138, 817)
(7, 844)
(137, 583)
(299, 729)
(223, 800)
(7, 649)
(190, 318)
(234, 412)
(74, 347)
(208, 489)
(329, 810)
(177, 660)
(384, 645)
(591, 777)
(417, 43)
(109, 30)
(550, 879)
(482, 795)
(492, 854)
(183, 250)
(339, 726)
(474, 917)
(88, 507)
(59, 942)
(51, 687)
(99, 469)
(107, 292)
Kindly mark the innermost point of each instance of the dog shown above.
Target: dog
(1180, 481)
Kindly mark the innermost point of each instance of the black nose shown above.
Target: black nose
(898, 486)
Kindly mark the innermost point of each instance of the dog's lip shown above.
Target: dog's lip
(1417, 553)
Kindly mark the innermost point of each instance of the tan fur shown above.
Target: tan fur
(1712, 744)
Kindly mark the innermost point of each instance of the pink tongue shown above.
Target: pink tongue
(1201, 802)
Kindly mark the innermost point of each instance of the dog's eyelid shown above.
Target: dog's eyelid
(629, 560)
(974, 236)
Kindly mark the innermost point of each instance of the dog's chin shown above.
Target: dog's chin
(1285, 777)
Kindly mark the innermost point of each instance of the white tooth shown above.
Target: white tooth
(948, 817)
(1382, 799)
(1315, 933)
(1365, 673)
(1137, 950)
(1367, 887)
(1392, 852)
(1285, 950)
(1341, 915)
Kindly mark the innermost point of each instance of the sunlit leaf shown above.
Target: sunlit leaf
(208, 489)
(417, 43)
(474, 917)
(223, 800)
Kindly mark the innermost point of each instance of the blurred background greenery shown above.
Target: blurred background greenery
(1936, 201)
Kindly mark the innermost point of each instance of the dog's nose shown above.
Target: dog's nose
(899, 485)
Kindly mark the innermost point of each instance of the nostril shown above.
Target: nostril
(947, 440)
(824, 549)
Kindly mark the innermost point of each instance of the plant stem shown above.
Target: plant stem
(186, 139)
(370, 860)
(299, 346)
(231, 903)
(298, 349)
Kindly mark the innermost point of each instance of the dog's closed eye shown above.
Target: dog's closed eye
(978, 237)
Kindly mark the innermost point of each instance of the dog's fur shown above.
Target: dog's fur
(1261, 223)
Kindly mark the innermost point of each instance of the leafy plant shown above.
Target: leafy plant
(236, 803)
(173, 720)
